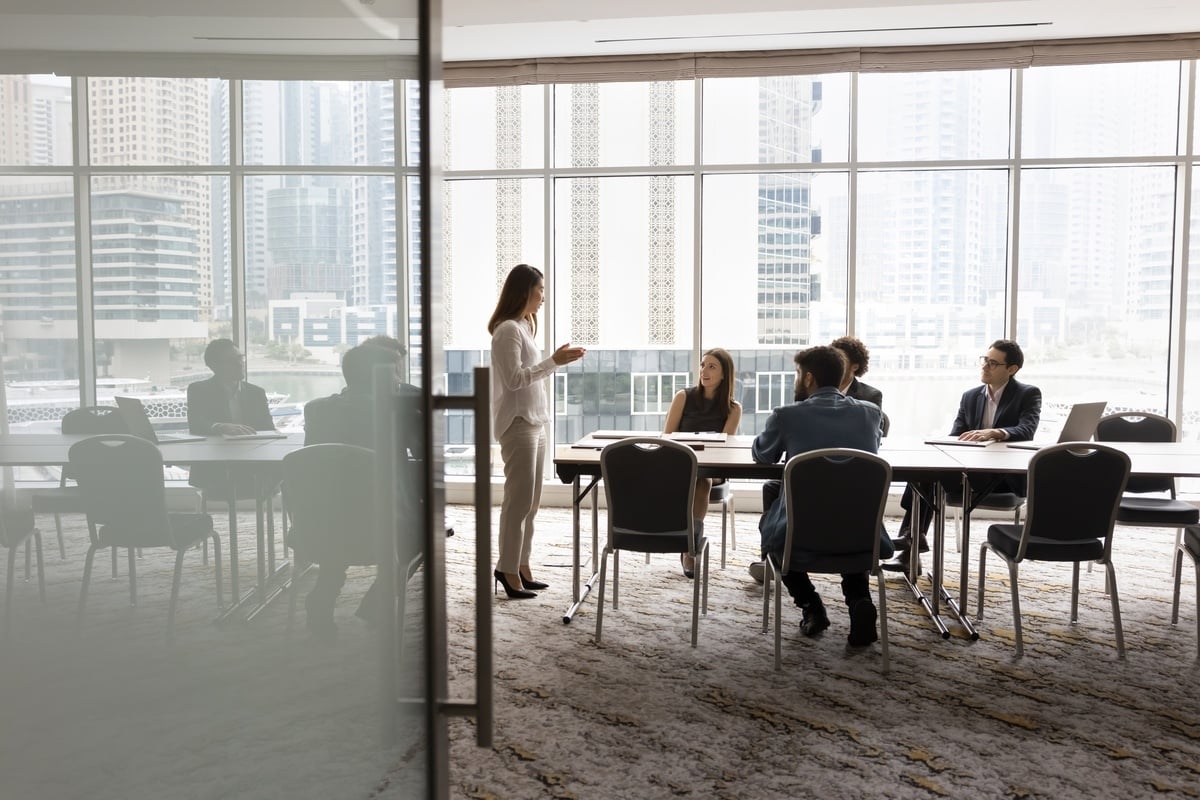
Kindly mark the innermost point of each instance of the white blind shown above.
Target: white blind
(679, 66)
(194, 65)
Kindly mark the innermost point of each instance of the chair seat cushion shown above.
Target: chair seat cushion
(18, 524)
(623, 539)
(184, 531)
(59, 500)
(1006, 538)
(720, 492)
(834, 564)
(321, 547)
(1156, 511)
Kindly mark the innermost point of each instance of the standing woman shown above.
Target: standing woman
(707, 407)
(520, 411)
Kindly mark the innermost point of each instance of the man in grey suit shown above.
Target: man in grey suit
(824, 418)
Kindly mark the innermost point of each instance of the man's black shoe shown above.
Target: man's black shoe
(814, 620)
(899, 563)
(862, 623)
(903, 544)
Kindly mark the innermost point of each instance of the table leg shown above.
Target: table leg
(911, 577)
(579, 593)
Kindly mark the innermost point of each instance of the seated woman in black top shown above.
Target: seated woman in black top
(707, 407)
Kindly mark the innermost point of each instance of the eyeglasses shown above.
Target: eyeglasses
(991, 363)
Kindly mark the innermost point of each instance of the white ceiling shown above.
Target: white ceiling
(490, 29)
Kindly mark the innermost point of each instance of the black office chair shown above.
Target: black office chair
(1074, 492)
(65, 499)
(1149, 512)
(1189, 546)
(842, 493)
(649, 485)
(121, 480)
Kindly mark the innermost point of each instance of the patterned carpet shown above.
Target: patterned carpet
(646, 716)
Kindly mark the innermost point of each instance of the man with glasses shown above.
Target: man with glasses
(227, 405)
(1003, 409)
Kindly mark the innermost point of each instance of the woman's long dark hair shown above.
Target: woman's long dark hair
(514, 296)
(723, 396)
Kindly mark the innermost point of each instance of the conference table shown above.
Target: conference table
(930, 462)
(51, 450)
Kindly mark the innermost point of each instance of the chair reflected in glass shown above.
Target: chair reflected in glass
(120, 478)
(329, 494)
(842, 493)
(1074, 492)
(649, 486)
(16, 528)
(65, 499)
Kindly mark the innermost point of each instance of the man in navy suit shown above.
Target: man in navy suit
(226, 404)
(1003, 409)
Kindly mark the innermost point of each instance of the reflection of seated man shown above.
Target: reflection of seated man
(226, 404)
(824, 418)
(343, 418)
(1002, 410)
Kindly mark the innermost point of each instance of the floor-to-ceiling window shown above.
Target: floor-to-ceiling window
(927, 213)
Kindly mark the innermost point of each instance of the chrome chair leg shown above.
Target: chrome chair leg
(1116, 609)
(1016, 604)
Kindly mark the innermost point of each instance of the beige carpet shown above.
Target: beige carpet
(644, 715)
(108, 711)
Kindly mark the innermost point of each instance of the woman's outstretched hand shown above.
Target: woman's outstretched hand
(566, 354)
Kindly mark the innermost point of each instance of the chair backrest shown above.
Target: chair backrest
(329, 491)
(121, 480)
(94, 420)
(1074, 492)
(1139, 426)
(649, 484)
(835, 501)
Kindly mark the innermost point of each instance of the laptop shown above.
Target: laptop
(1079, 427)
(133, 412)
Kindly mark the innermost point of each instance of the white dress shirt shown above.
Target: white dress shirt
(518, 377)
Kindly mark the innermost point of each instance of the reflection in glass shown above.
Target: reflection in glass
(35, 120)
(1095, 304)
(776, 120)
(930, 116)
(930, 288)
(624, 124)
(1101, 110)
(774, 277)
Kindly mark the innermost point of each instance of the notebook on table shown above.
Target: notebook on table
(954, 440)
(1080, 426)
(133, 412)
(241, 437)
(618, 434)
(692, 436)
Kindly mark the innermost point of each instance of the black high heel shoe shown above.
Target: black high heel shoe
(530, 583)
(516, 594)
